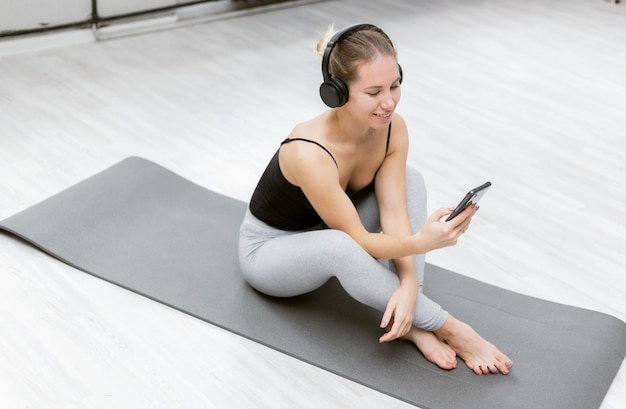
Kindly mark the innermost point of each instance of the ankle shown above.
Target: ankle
(451, 328)
(412, 335)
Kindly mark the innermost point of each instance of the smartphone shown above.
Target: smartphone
(472, 197)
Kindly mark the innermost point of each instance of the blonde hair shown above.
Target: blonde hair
(358, 47)
(325, 39)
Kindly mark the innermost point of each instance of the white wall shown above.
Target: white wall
(115, 7)
(27, 14)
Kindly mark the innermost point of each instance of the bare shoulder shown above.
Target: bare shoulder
(399, 138)
(311, 129)
(300, 159)
(398, 122)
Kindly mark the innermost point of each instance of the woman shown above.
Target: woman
(337, 197)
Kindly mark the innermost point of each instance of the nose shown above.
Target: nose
(387, 102)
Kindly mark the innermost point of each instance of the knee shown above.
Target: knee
(337, 249)
(338, 243)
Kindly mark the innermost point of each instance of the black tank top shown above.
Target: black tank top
(283, 205)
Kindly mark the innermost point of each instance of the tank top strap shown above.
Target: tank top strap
(287, 140)
(388, 137)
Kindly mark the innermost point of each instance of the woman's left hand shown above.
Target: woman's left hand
(400, 310)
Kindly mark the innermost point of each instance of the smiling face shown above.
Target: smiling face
(375, 93)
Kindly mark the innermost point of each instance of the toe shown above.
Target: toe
(476, 368)
(502, 367)
(503, 363)
(446, 361)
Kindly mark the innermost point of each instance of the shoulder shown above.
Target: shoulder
(399, 138)
(306, 159)
(398, 122)
(310, 129)
(398, 125)
(313, 148)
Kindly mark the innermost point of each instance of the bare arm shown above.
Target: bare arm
(391, 196)
(394, 219)
(314, 171)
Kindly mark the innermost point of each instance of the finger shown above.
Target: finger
(460, 218)
(386, 338)
(392, 334)
(465, 215)
(387, 317)
(465, 219)
(440, 213)
(464, 226)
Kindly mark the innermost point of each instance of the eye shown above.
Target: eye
(373, 94)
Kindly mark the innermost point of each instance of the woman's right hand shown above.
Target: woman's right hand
(437, 234)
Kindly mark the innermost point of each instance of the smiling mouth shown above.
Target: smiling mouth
(383, 116)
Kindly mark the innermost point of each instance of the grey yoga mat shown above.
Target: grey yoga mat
(148, 230)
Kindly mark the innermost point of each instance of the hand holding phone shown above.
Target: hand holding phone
(472, 197)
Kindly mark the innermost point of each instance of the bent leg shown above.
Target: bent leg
(285, 264)
(428, 315)
(298, 263)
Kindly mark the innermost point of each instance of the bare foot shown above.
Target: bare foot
(432, 348)
(479, 355)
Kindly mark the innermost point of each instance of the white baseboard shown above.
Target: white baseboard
(18, 45)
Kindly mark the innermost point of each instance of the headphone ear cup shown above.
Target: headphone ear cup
(328, 93)
(334, 92)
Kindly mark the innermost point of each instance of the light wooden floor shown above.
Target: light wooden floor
(528, 94)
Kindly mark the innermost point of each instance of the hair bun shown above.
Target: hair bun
(323, 42)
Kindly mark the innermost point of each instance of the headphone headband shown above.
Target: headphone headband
(333, 91)
(337, 37)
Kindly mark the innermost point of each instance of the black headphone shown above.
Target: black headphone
(334, 92)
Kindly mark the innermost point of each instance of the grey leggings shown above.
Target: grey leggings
(285, 263)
